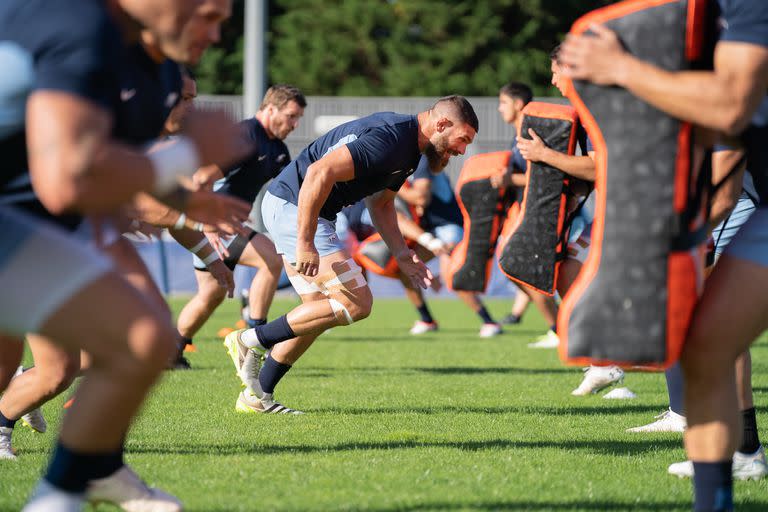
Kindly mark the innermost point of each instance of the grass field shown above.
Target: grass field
(446, 421)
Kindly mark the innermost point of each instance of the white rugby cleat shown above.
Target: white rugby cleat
(597, 378)
(548, 340)
(6, 450)
(126, 490)
(249, 403)
(668, 421)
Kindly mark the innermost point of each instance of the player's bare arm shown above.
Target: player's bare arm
(723, 99)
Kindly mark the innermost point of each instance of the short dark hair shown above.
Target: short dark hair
(555, 53)
(280, 94)
(462, 109)
(517, 90)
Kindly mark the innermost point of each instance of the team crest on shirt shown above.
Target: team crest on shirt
(281, 158)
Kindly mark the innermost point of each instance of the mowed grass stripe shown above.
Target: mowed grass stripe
(445, 421)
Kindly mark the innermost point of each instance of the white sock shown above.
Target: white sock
(250, 339)
(47, 497)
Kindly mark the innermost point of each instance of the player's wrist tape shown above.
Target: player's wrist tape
(178, 159)
(425, 239)
(181, 221)
(198, 226)
(200, 245)
(210, 258)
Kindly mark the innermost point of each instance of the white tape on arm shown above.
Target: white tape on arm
(179, 158)
(181, 222)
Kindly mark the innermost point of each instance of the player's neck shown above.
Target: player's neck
(129, 28)
(263, 118)
(425, 129)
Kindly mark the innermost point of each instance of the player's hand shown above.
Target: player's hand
(218, 139)
(217, 212)
(532, 149)
(206, 176)
(415, 269)
(307, 259)
(501, 180)
(218, 244)
(598, 57)
(223, 276)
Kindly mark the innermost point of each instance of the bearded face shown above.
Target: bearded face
(438, 153)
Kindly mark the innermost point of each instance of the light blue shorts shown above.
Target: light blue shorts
(281, 220)
(726, 230)
(751, 242)
(41, 268)
(449, 234)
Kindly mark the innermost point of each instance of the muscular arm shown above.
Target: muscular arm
(723, 99)
(726, 197)
(318, 182)
(72, 163)
(535, 150)
(384, 216)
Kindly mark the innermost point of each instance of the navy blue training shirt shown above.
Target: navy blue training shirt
(442, 208)
(71, 47)
(384, 149)
(77, 49)
(746, 21)
(246, 179)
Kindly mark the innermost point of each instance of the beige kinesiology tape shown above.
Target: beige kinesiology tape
(344, 276)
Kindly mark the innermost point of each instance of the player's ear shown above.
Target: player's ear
(442, 124)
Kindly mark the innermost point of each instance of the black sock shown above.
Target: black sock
(274, 332)
(512, 319)
(185, 341)
(424, 313)
(271, 373)
(71, 471)
(253, 322)
(483, 313)
(750, 441)
(553, 328)
(713, 486)
(7, 423)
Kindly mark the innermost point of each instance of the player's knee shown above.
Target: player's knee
(352, 309)
(57, 378)
(151, 344)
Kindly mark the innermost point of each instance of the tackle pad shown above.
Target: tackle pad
(532, 252)
(483, 209)
(632, 303)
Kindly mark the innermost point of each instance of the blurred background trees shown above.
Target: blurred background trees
(399, 47)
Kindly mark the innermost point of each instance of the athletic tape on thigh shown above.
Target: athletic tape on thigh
(340, 312)
(302, 286)
(534, 249)
(344, 276)
(483, 209)
(634, 298)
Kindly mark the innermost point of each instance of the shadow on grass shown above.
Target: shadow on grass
(443, 370)
(534, 409)
(635, 506)
(606, 447)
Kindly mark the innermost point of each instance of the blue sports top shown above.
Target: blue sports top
(442, 208)
(73, 47)
(384, 149)
(246, 179)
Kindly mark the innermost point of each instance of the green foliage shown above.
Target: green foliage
(401, 47)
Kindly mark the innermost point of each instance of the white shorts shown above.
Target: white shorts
(41, 268)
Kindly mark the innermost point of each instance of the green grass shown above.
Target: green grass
(445, 421)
